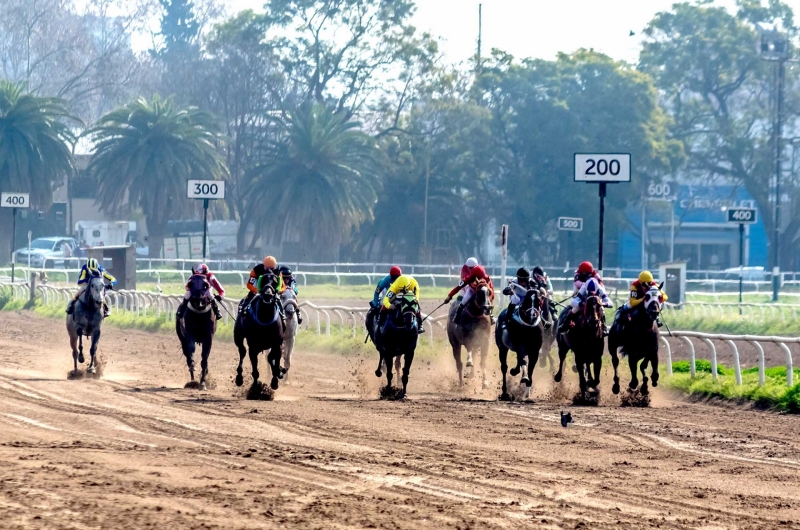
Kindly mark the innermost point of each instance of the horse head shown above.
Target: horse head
(96, 290)
(653, 301)
(198, 293)
(482, 297)
(530, 309)
(289, 302)
(268, 292)
(594, 316)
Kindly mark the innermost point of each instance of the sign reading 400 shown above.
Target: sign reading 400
(15, 200)
(206, 189)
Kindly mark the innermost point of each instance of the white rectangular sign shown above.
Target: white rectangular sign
(206, 189)
(15, 200)
(744, 216)
(602, 167)
(570, 224)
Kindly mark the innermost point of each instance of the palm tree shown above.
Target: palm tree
(144, 154)
(35, 151)
(318, 182)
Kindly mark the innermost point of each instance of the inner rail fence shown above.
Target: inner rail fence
(427, 275)
(141, 304)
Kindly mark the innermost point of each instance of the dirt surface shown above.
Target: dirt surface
(134, 449)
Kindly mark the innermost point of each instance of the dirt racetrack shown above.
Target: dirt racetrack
(134, 449)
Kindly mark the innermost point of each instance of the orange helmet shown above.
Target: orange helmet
(270, 262)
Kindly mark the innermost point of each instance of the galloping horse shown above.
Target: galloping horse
(586, 341)
(523, 335)
(473, 330)
(396, 334)
(86, 320)
(289, 301)
(261, 326)
(197, 325)
(639, 340)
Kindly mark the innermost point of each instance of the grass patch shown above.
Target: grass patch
(773, 395)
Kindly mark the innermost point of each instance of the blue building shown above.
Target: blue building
(690, 223)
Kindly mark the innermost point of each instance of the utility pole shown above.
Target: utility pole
(480, 39)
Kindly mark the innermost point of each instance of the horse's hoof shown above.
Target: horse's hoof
(469, 364)
(203, 386)
(274, 383)
(615, 388)
(525, 381)
(557, 377)
(92, 370)
(633, 384)
(644, 391)
(514, 371)
(574, 369)
(378, 373)
(505, 396)
(81, 358)
(239, 380)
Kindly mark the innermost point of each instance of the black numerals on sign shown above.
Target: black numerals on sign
(206, 189)
(602, 167)
(15, 200)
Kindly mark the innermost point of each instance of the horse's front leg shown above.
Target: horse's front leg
(503, 369)
(522, 366)
(632, 361)
(389, 375)
(562, 356)
(81, 358)
(93, 351)
(253, 353)
(239, 369)
(654, 362)
(379, 371)
(205, 354)
(582, 368)
(645, 380)
(274, 360)
(459, 364)
(189, 347)
(470, 365)
(615, 362)
(73, 342)
(408, 358)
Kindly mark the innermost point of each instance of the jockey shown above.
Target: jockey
(584, 272)
(517, 289)
(380, 291)
(542, 280)
(289, 282)
(592, 287)
(474, 274)
(403, 284)
(202, 270)
(89, 269)
(639, 288)
(268, 265)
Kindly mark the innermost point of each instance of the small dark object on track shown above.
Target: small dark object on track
(635, 399)
(260, 392)
(566, 418)
(505, 397)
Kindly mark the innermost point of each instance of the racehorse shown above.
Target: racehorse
(639, 340)
(586, 341)
(261, 326)
(197, 325)
(549, 333)
(523, 335)
(396, 334)
(289, 301)
(86, 320)
(473, 330)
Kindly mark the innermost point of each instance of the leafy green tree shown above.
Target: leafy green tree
(317, 184)
(543, 113)
(35, 147)
(144, 154)
(717, 89)
(179, 27)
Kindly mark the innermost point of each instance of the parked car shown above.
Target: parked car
(48, 252)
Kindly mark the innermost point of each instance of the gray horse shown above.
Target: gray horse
(86, 320)
(289, 301)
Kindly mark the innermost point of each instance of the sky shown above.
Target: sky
(534, 28)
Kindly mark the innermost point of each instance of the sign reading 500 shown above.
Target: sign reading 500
(605, 167)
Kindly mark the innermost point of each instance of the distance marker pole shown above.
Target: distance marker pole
(205, 226)
(14, 241)
(602, 219)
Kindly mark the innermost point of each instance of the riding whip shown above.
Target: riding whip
(226, 310)
(432, 312)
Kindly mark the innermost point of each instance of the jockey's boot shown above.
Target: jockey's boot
(457, 316)
(658, 322)
(420, 324)
(106, 310)
(565, 325)
(215, 308)
(71, 307)
(299, 318)
(181, 309)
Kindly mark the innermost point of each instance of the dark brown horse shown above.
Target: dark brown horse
(472, 331)
(522, 333)
(585, 339)
(638, 338)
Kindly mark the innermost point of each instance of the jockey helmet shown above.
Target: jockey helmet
(201, 269)
(586, 267)
(645, 277)
(522, 272)
(92, 264)
(395, 272)
(538, 270)
(471, 263)
(592, 286)
(285, 271)
(270, 262)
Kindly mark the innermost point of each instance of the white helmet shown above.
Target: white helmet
(472, 262)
